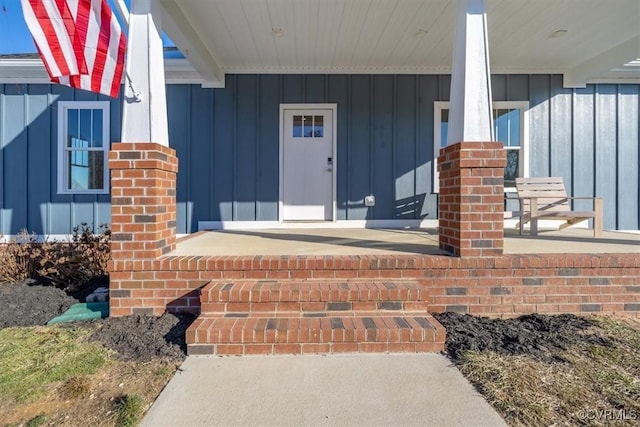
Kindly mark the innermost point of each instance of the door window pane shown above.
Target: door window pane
(308, 126)
(297, 126)
(318, 126)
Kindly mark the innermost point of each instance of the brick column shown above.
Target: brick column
(143, 216)
(471, 200)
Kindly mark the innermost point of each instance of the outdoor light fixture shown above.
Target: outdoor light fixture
(277, 32)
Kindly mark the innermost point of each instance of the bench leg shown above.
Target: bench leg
(597, 219)
(533, 223)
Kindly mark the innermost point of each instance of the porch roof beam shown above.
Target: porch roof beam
(581, 74)
(177, 26)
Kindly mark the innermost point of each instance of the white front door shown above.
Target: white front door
(307, 165)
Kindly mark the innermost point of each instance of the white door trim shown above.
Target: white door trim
(334, 139)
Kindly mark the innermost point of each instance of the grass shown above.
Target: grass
(595, 385)
(36, 421)
(129, 410)
(53, 376)
(33, 359)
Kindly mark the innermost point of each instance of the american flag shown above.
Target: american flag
(80, 42)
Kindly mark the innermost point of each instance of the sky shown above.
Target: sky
(14, 34)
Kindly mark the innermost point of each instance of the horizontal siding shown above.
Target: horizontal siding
(227, 143)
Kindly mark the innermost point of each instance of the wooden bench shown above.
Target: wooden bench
(546, 198)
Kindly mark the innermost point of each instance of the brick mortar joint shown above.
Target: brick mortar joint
(166, 167)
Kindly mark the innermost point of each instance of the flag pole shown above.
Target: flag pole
(122, 11)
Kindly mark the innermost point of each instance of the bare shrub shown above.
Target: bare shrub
(20, 258)
(65, 264)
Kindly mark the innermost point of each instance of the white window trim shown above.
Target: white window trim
(523, 106)
(63, 171)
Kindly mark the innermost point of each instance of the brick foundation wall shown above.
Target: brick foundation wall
(144, 279)
(508, 285)
(471, 199)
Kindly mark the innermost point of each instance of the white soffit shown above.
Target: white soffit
(402, 36)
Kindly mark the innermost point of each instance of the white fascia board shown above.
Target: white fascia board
(31, 71)
(23, 71)
(372, 69)
(176, 25)
(180, 71)
(588, 71)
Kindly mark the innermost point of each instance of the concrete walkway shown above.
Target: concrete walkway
(316, 390)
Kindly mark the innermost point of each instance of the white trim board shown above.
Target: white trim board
(355, 223)
(263, 225)
(63, 149)
(61, 238)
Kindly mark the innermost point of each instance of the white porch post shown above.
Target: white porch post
(471, 166)
(144, 116)
(470, 116)
(143, 168)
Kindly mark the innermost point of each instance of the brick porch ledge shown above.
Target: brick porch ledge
(509, 284)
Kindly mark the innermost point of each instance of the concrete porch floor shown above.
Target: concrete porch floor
(345, 241)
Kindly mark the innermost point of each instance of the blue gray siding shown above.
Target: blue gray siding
(227, 143)
(28, 163)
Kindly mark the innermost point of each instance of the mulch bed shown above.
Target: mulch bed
(31, 303)
(143, 338)
(135, 338)
(537, 335)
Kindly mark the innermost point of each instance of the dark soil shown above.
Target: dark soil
(139, 338)
(30, 303)
(540, 336)
(143, 338)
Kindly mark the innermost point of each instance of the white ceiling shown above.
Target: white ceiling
(382, 36)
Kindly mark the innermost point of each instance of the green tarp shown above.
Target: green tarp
(82, 311)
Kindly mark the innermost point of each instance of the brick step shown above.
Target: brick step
(328, 290)
(298, 334)
(337, 308)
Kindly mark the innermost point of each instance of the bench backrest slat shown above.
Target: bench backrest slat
(550, 192)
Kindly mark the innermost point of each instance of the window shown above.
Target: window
(511, 127)
(308, 126)
(83, 144)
